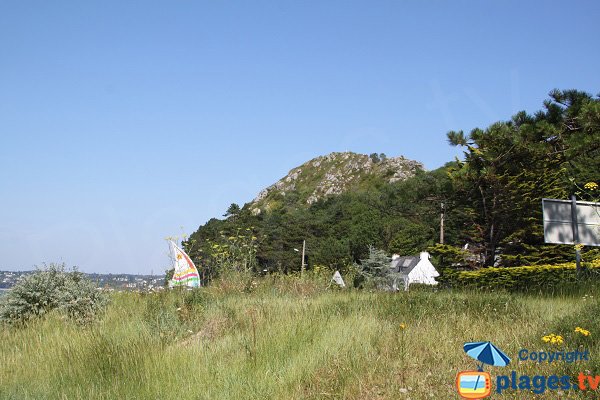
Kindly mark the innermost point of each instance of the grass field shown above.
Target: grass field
(290, 339)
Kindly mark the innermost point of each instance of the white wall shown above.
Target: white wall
(423, 272)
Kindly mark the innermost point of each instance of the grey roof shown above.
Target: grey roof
(405, 264)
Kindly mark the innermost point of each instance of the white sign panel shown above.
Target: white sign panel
(337, 278)
(558, 222)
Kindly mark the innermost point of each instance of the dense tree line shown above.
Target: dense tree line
(510, 166)
(492, 200)
(400, 218)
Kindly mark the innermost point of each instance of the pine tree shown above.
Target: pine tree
(375, 269)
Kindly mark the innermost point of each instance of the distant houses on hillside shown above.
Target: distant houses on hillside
(9, 278)
(105, 281)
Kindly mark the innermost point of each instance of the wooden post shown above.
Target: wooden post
(442, 225)
(303, 250)
(575, 233)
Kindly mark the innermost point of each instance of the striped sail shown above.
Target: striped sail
(185, 273)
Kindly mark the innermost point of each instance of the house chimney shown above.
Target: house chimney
(424, 255)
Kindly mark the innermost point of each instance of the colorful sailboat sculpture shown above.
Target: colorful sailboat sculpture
(185, 273)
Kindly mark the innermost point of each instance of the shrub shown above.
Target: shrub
(375, 271)
(162, 315)
(525, 278)
(51, 288)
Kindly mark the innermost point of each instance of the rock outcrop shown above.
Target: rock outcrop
(334, 174)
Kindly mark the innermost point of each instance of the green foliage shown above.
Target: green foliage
(37, 294)
(161, 316)
(333, 253)
(411, 238)
(168, 314)
(526, 278)
(375, 269)
(337, 172)
(233, 211)
(283, 341)
(492, 199)
(400, 217)
(168, 276)
(235, 252)
(510, 166)
(451, 256)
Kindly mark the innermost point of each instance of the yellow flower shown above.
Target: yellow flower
(591, 186)
(403, 326)
(584, 332)
(553, 339)
(558, 340)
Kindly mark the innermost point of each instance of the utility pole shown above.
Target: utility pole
(303, 250)
(442, 224)
(575, 233)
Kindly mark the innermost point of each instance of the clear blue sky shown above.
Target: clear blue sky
(123, 121)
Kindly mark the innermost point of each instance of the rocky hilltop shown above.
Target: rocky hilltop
(333, 174)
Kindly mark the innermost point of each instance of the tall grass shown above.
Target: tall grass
(283, 339)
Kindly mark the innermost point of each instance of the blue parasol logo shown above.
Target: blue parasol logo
(486, 353)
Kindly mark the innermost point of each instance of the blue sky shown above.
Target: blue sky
(123, 122)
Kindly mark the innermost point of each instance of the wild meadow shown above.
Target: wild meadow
(288, 338)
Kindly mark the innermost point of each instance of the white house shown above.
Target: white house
(413, 269)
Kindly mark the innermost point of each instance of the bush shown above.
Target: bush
(525, 278)
(174, 314)
(162, 315)
(52, 288)
(375, 271)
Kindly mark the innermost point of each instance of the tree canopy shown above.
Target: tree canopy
(510, 166)
(492, 199)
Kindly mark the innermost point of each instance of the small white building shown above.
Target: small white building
(413, 269)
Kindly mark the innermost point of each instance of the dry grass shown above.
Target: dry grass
(263, 341)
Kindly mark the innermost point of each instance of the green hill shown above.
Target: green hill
(340, 204)
(333, 174)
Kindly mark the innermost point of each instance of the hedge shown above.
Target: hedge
(531, 277)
